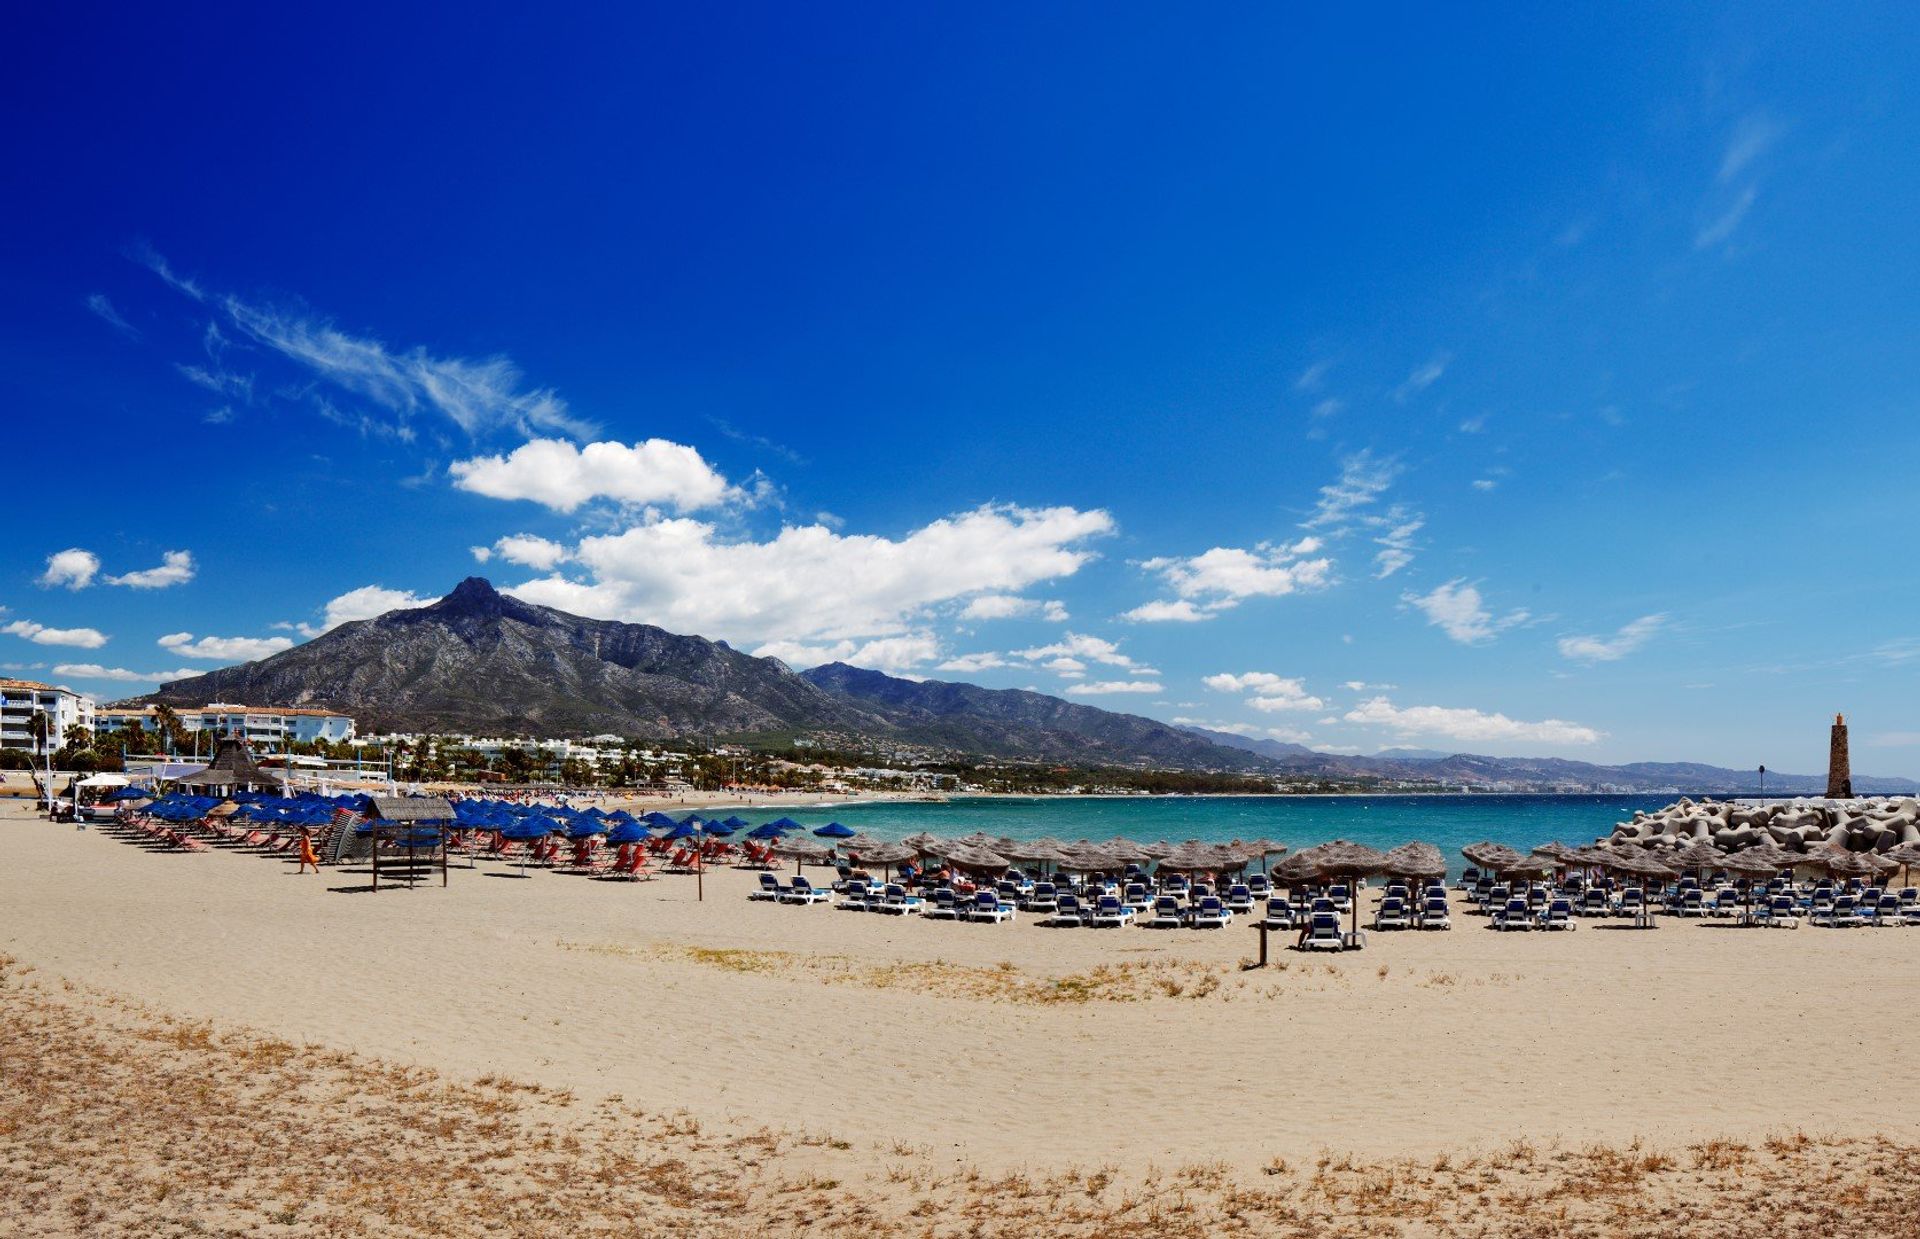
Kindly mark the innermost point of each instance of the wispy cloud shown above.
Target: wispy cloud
(738, 435)
(479, 395)
(1753, 135)
(1457, 609)
(1630, 638)
(1423, 376)
(103, 309)
(223, 649)
(1727, 222)
(1103, 688)
(155, 262)
(1314, 376)
(1363, 479)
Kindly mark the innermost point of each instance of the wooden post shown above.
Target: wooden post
(376, 858)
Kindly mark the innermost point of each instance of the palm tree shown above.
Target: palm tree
(168, 724)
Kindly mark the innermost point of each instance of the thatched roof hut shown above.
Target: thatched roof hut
(232, 769)
(410, 809)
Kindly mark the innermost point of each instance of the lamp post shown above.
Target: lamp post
(1763, 784)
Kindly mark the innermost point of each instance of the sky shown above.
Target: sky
(1358, 376)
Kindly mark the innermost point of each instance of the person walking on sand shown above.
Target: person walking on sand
(306, 852)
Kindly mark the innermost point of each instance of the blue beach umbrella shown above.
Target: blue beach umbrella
(834, 830)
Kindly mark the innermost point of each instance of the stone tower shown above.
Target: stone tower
(1839, 776)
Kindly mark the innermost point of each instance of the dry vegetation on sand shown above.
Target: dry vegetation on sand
(117, 1120)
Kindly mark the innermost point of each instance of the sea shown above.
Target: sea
(1449, 822)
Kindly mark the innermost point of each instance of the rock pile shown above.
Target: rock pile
(1875, 825)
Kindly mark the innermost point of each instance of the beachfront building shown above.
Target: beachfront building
(268, 729)
(20, 700)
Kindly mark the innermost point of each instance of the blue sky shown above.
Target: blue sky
(1371, 377)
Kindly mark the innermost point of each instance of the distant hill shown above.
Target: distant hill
(1017, 722)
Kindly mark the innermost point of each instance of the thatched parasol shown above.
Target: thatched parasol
(1637, 863)
(969, 856)
(1697, 856)
(1194, 856)
(881, 852)
(978, 839)
(1556, 852)
(802, 849)
(1126, 851)
(1158, 851)
(1042, 850)
(1907, 855)
(1301, 867)
(925, 844)
(1344, 859)
(1485, 853)
(1416, 860)
(1851, 864)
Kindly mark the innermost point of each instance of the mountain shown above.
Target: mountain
(1016, 722)
(1264, 747)
(482, 663)
(1414, 754)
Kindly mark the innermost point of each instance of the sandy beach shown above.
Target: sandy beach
(982, 1050)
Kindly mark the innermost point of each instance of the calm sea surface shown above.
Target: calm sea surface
(1521, 822)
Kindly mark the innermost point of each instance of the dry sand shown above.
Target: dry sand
(947, 1051)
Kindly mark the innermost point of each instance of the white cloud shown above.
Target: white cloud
(1104, 688)
(1161, 611)
(1457, 610)
(73, 568)
(40, 634)
(1223, 576)
(1361, 686)
(1477, 424)
(1270, 693)
(974, 662)
(104, 310)
(1314, 375)
(223, 649)
(526, 549)
(1723, 225)
(1631, 637)
(367, 602)
(1458, 723)
(175, 568)
(94, 671)
(893, 654)
(1330, 407)
(810, 583)
(1066, 668)
(1423, 376)
(479, 396)
(1484, 483)
(561, 476)
(1076, 645)
(1009, 606)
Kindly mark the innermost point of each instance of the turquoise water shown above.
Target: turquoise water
(1448, 822)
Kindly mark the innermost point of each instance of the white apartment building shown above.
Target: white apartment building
(269, 729)
(20, 700)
